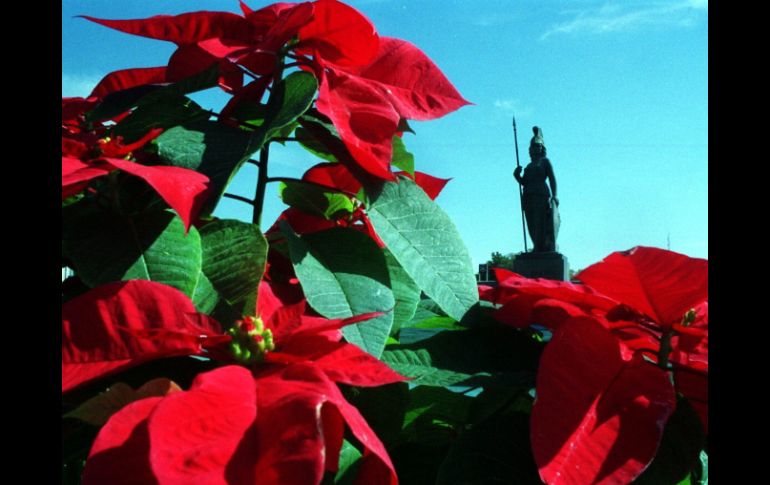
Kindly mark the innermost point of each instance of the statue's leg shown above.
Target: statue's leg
(536, 222)
(549, 236)
(530, 210)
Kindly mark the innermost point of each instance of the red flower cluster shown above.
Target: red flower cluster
(88, 153)
(279, 420)
(604, 388)
(368, 83)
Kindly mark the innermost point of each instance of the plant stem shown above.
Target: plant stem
(247, 72)
(264, 152)
(665, 349)
(238, 197)
(259, 197)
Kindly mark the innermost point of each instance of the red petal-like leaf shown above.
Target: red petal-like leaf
(340, 34)
(412, 83)
(364, 117)
(74, 148)
(300, 430)
(301, 222)
(252, 92)
(513, 284)
(486, 292)
(289, 21)
(661, 284)
(75, 174)
(551, 313)
(119, 453)
(245, 8)
(101, 329)
(266, 17)
(693, 339)
(285, 311)
(517, 310)
(342, 362)
(191, 59)
(636, 338)
(116, 148)
(348, 364)
(186, 28)
(692, 382)
(129, 78)
(523, 310)
(72, 108)
(221, 49)
(596, 418)
(282, 307)
(194, 434)
(183, 189)
(367, 228)
(430, 184)
(366, 104)
(334, 175)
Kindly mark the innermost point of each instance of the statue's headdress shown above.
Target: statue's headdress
(538, 138)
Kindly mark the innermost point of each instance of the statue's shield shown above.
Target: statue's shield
(556, 220)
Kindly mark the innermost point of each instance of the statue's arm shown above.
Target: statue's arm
(551, 180)
(517, 175)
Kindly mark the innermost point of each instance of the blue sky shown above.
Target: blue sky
(620, 90)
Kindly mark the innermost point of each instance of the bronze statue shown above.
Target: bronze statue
(540, 205)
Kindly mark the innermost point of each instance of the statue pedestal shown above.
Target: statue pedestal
(551, 265)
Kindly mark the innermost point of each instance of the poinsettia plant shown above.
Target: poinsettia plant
(347, 342)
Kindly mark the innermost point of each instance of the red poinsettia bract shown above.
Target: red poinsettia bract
(367, 83)
(282, 427)
(88, 154)
(279, 420)
(603, 398)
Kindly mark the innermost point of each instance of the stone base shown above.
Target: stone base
(552, 265)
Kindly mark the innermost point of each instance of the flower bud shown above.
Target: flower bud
(250, 340)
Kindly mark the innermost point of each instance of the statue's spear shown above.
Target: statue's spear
(521, 193)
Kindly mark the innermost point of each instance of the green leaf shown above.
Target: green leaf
(683, 439)
(234, 256)
(700, 475)
(153, 246)
(429, 315)
(428, 246)
(427, 305)
(403, 125)
(446, 323)
(211, 148)
(402, 158)
(311, 144)
(205, 298)
(418, 365)
(343, 273)
(166, 113)
(121, 101)
(496, 450)
(405, 291)
(251, 113)
(350, 460)
(431, 405)
(383, 408)
(314, 199)
(493, 354)
(286, 131)
(289, 99)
